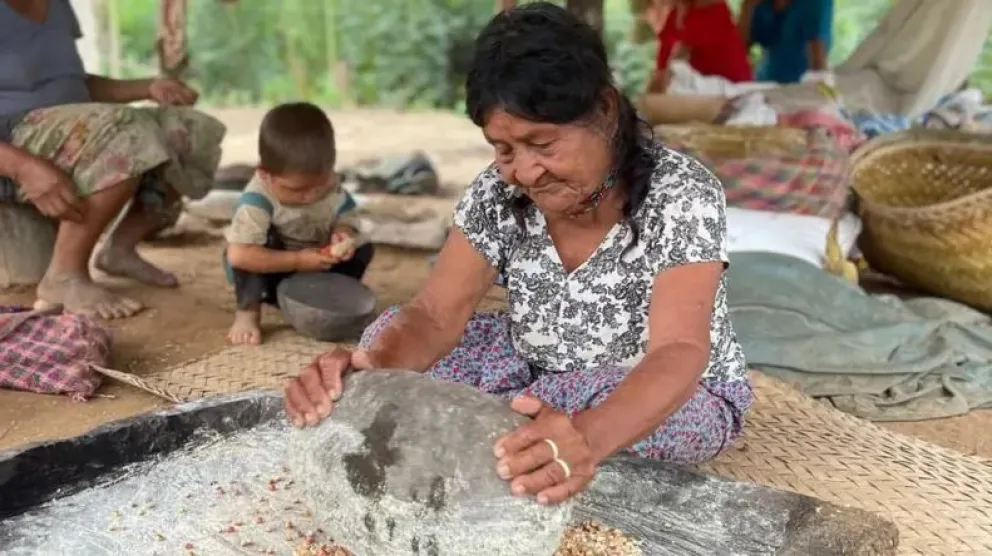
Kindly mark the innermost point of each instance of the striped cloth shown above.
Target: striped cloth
(811, 180)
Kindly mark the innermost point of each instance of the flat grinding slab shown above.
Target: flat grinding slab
(209, 478)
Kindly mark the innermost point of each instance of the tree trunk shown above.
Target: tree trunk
(116, 59)
(503, 5)
(26, 249)
(89, 44)
(171, 42)
(590, 11)
(640, 31)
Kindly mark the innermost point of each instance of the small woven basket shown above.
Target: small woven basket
(925, 198)
(721, 142)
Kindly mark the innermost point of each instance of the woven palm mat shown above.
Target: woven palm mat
(940, 499)
(233, 369)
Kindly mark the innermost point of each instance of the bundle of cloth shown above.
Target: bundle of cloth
(907, 73)
(964, 110)
(47, 351)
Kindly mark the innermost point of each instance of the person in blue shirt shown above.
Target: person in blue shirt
(793, 34)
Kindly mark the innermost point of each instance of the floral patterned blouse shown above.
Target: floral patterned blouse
(597, 315)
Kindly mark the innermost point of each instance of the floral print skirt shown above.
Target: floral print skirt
(702, 428)
(101, 145)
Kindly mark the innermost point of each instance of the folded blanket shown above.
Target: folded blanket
(874, 356)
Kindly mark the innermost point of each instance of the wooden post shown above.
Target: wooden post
(26, 249)
(88, 45)
(590, 11)
(641, 32)
(113, 27)
(503, 5)
(171, 42)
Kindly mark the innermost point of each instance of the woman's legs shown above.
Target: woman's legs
(178, 149)
(485, 359)
(104, 149)
(699, 430)
(68, 281)
(119, 254)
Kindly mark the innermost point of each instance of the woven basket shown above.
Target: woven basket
(925, 198)
(720, 142)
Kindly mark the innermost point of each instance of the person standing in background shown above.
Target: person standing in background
(701, 31)
(794, 36)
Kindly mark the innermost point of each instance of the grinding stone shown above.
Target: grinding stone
(405, 466)
(326, 306)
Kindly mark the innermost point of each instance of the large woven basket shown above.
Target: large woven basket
(721, 142)
(925, 198)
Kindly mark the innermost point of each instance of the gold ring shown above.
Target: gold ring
(554, 448)
(564, 467)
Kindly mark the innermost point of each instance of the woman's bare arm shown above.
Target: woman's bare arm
(433, 322)
(817, 55)
(820, 27)
(678, 351)
(118, 91)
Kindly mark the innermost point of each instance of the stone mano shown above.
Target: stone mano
(405, 465)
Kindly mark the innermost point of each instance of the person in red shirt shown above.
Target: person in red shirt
(704, 32)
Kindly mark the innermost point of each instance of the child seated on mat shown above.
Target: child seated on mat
(292, 217)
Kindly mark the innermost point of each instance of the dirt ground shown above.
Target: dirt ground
(191, 321)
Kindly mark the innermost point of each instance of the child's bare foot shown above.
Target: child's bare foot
(247, 328)
(127, 263)
(78, 294)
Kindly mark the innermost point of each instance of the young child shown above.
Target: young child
(292, 217)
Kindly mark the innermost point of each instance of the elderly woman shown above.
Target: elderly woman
(612, 249)
(70, 146)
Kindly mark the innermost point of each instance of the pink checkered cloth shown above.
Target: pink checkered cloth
(50, 352)
(813, 179)
(844, 133)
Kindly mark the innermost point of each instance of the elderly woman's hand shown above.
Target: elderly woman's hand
(547, 457)
(49, 189)
(310, 397)
(171, 92)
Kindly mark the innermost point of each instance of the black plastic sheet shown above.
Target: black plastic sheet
(166, 454)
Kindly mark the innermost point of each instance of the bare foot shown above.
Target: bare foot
(247, 328)
(78, 294)
(127, 263)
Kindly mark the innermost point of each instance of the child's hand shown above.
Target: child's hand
(342, 246)
(315, 260)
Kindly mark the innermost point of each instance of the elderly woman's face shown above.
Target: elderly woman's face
(557, 166)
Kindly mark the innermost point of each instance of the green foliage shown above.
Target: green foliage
(411, 54)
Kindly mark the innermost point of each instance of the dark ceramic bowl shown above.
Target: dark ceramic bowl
(325, 306)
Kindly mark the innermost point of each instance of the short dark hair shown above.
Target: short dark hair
(541, 63)
(296, 137)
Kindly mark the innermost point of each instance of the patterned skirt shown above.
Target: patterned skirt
(485, 358)
(101, 145)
